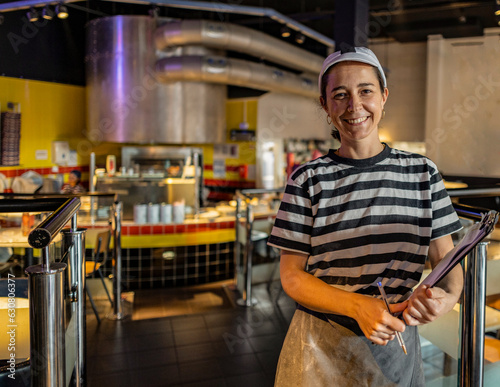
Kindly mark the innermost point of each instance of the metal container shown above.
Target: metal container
(125, 100)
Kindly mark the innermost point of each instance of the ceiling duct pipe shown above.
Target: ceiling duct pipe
(217, 69)
(229, 36)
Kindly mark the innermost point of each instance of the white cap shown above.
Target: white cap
(355, 54)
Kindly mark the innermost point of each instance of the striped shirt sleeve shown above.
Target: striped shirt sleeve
(294, 221)
(444, 218)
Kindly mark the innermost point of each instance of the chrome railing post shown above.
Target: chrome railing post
(73, 242)
(247, 299)
(47, 323)
(92, 187)
(117, 267)
(473, 317)
(237, 245)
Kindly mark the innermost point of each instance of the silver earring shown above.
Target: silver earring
(328, 122)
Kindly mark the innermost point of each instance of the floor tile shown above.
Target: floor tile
(267, 343)
(250, 380)
(152, 358)
(232, 345)
(201, 351)
(162, 376)
(200, 370)
(240, 365)
(219, 382)
(117, 379)
(188, 323)
(269, 361)
(153, 341)
(191, 337)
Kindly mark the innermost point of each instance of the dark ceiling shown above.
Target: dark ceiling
(400, 20)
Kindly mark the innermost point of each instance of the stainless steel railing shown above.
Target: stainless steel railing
(118, 313)
(471, 362)
(244, 259)
(46, 299)
(50, 365)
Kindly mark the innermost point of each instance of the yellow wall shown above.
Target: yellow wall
(50, 112)
(56, 112)
(235, 114)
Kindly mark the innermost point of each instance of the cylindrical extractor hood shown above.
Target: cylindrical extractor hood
(126, 102)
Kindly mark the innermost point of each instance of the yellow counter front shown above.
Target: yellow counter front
(165, 255)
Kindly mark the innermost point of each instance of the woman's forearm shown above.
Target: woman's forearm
(317, 295)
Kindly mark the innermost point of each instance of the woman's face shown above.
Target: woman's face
(354, 101)
(72, 179)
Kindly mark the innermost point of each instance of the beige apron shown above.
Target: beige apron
(321, 352)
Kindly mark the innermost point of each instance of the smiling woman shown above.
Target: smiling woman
(361, 215)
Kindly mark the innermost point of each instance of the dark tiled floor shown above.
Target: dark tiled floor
(231, 346)
(223, 346)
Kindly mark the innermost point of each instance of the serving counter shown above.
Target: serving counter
(166, 255)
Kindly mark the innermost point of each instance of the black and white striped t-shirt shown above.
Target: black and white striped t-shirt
(364, 221)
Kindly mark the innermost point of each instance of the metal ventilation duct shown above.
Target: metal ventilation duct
(217, 69)
(237, 38)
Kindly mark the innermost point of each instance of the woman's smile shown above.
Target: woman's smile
(356, 121)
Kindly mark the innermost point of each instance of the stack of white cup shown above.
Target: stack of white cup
(154, 213)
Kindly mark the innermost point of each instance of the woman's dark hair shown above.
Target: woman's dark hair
(335, 133)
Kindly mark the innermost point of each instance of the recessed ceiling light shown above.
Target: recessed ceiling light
(32, 15)
(300, 38)
(285, 32)
(47, 13)
(62, 11)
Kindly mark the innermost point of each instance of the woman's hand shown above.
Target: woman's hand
(378, 325)
(427, 304)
